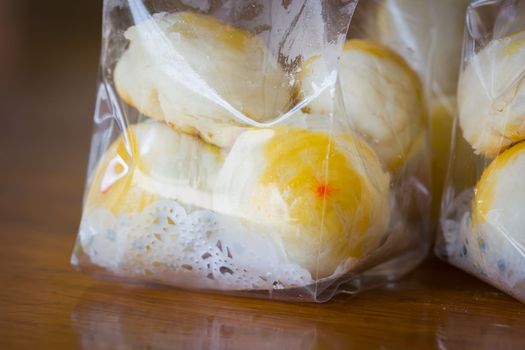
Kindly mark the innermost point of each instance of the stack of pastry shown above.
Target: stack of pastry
(207, 192)
(492, 118)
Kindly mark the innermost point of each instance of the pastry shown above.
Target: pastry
(382, 98)
(491, 96)
(495, 246)
(202, 76)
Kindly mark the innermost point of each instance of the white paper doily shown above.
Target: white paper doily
(199, 249)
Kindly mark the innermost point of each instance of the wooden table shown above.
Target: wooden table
(46, 108)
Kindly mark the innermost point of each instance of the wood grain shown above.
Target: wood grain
(45, 304)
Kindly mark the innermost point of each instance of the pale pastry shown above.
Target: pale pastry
(496, 243)
(499, 201)
(381, 94)
(491, 96)
(202, 76)
(151, 161)
(428, 34)
(327, 199)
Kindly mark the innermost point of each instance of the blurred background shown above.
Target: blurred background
(48, 70)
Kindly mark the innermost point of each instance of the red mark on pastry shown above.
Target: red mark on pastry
(324, 190)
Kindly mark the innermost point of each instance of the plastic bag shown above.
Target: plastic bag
(482, 211)
(249, 147)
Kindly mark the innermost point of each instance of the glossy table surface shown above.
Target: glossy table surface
(44, 304)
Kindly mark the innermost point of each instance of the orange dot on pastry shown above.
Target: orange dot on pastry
(324, 190)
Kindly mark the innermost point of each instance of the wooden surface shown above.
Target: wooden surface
(46, 104)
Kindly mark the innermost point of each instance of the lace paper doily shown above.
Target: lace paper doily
(200, 249)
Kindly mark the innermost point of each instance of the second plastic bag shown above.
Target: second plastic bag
(483, 208)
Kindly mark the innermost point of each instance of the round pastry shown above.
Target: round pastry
(491, 96)
(499, 200)
(497, 242)
(326, 199)
(201, 75)
(427, 34)
(151, 161)
(381, 94)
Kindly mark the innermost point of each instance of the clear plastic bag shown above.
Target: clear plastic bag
(250, 147)
(482, 210)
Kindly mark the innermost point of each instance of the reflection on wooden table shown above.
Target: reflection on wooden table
(408, 315)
